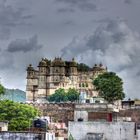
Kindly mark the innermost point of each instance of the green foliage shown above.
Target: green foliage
(61, 95)
(2, 90)
(110, 86)
(18, 115)
(72, 94)
(83, 67)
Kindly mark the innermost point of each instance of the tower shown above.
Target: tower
(42, 79)
(57, 75)
(98, 69)
(32, 84)
(73, 73)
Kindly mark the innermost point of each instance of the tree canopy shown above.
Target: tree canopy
(83, 67)
(61, 95)
(2, 89)
(110, 86)
(18, 115)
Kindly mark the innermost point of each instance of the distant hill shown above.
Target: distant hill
(16, 95)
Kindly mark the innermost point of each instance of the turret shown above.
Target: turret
(98, 69)
(30, 71)
(42, 77)
(32, 84)
(42, 67)
(73, 67)
(58, 67)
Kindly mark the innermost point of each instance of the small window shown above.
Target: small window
(83, 85)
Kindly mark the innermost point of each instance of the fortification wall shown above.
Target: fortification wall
(58, 112)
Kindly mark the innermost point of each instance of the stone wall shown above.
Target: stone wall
(133, 113)
(58, 112)
(109, 130)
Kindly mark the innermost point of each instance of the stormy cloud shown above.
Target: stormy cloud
(10, 17)
(83, 5)
(116, 46)
(93, 31)
(23, 45)
(128, 1)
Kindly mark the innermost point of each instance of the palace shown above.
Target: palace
(52, 75)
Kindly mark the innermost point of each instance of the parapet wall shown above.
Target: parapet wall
(109, 130)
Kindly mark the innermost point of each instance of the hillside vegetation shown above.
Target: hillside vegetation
(14, 95)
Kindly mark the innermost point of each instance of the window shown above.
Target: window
(83, 85)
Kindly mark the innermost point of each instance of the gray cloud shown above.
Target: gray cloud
(23, 45)
(9, 18)
(16, 58)
(128, 1)
(114, 44)
(65, 10)
(83, 5)
(6, 60)
(68, 22)
(109, 44)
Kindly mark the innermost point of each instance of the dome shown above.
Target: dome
(95, 65)
(73, 63)
(43, 62)
(98, 67)
(30, 68)
(58, 62)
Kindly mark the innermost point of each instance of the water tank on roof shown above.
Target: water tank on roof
(40, 123)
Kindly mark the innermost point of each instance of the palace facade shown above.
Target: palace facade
(55, 74)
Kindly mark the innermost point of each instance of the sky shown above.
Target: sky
(91, 31)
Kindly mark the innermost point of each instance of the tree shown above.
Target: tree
(72, 94)
(61, 95)
(83, 67)
(58, 96)
(2, 90)
(110, 86)
(18, 115)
